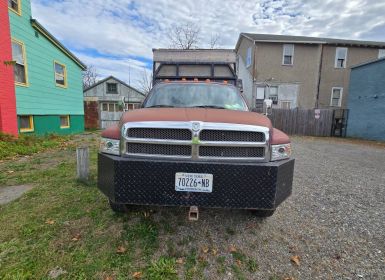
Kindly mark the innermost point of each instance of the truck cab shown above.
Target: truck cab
(195, 143)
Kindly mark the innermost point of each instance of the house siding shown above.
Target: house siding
(339, 77)
(366, 102)
(47, 124)
(8, 121)
(246, 73)
(97, 94)
(303, 72)
(41, 97)
(312, 74)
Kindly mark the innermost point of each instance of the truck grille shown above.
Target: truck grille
(197, 141)
(231, 136)
(156, 149)
(160, 133)
(232, 152)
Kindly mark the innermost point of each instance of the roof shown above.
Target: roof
(116, 79)
(35, 24)
(307, 40)
(191, 50)
(368, 62)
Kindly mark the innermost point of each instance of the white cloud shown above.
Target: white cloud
(127, 29)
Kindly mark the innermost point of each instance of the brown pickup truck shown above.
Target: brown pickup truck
(195, 144)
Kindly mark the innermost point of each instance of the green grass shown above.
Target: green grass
(85, 235)
(162, 269)
(28, 144)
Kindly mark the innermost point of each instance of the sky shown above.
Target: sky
(117, 36)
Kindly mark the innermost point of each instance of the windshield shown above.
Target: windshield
(196, 95)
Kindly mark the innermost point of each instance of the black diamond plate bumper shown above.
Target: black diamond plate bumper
(235, 185)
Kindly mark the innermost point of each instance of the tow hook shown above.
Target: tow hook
(193, 213)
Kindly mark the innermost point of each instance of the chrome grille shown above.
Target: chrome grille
(231, 136)
(231, 152)
(156, 149)
(160, 133)
(196, 140)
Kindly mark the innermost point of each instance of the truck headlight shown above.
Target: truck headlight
(282, 151)
(109, 146)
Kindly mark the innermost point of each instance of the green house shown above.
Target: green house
(48, 77)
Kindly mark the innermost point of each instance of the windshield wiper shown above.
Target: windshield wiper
(161, 106)
(208, 106)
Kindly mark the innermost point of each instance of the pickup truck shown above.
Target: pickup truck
(195, 143)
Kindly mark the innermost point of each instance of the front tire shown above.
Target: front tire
(263, 213)
(117, 207)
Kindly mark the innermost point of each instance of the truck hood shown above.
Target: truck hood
(196, 114)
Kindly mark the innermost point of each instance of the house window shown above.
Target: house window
(111, 107)
(131, 106)
(248, 57)
(336, 97)
(26, 123)
(381, 53)
(65, 121)
(20, 67)
(340, 60)
(112, 88)
(288, 54)
(60, 74)
(285, 104)
(273, 94)
(260, 93)
(15, 6)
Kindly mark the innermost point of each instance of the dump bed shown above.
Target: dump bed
(213, 64)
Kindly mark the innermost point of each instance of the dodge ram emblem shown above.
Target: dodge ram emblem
(196, 126)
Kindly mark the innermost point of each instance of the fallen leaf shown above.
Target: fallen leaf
(205, 249)
(121, 250)
(202, 258)
(238, 262)
(10, 171)
(76, 237)
(137, 274)
(295, 259)
(232, 249)
(289, 278)
(50, 221)
(179, 261)
(214, 251)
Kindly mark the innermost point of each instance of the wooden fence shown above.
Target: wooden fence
(311, 122)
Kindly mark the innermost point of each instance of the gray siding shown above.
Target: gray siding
(366, 102)
(100, 91)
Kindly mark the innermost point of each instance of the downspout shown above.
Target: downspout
(319, 76)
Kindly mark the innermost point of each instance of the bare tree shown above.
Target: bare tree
(145, 83)
(184, 36)
(214, 41)
(90, 76)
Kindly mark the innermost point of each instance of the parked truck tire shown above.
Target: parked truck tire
(117, 207)
(263, 213)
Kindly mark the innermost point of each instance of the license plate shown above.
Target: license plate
(193, 182)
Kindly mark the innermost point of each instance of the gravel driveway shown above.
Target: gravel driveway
(334, 221)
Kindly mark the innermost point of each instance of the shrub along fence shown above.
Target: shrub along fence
(311, 122)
